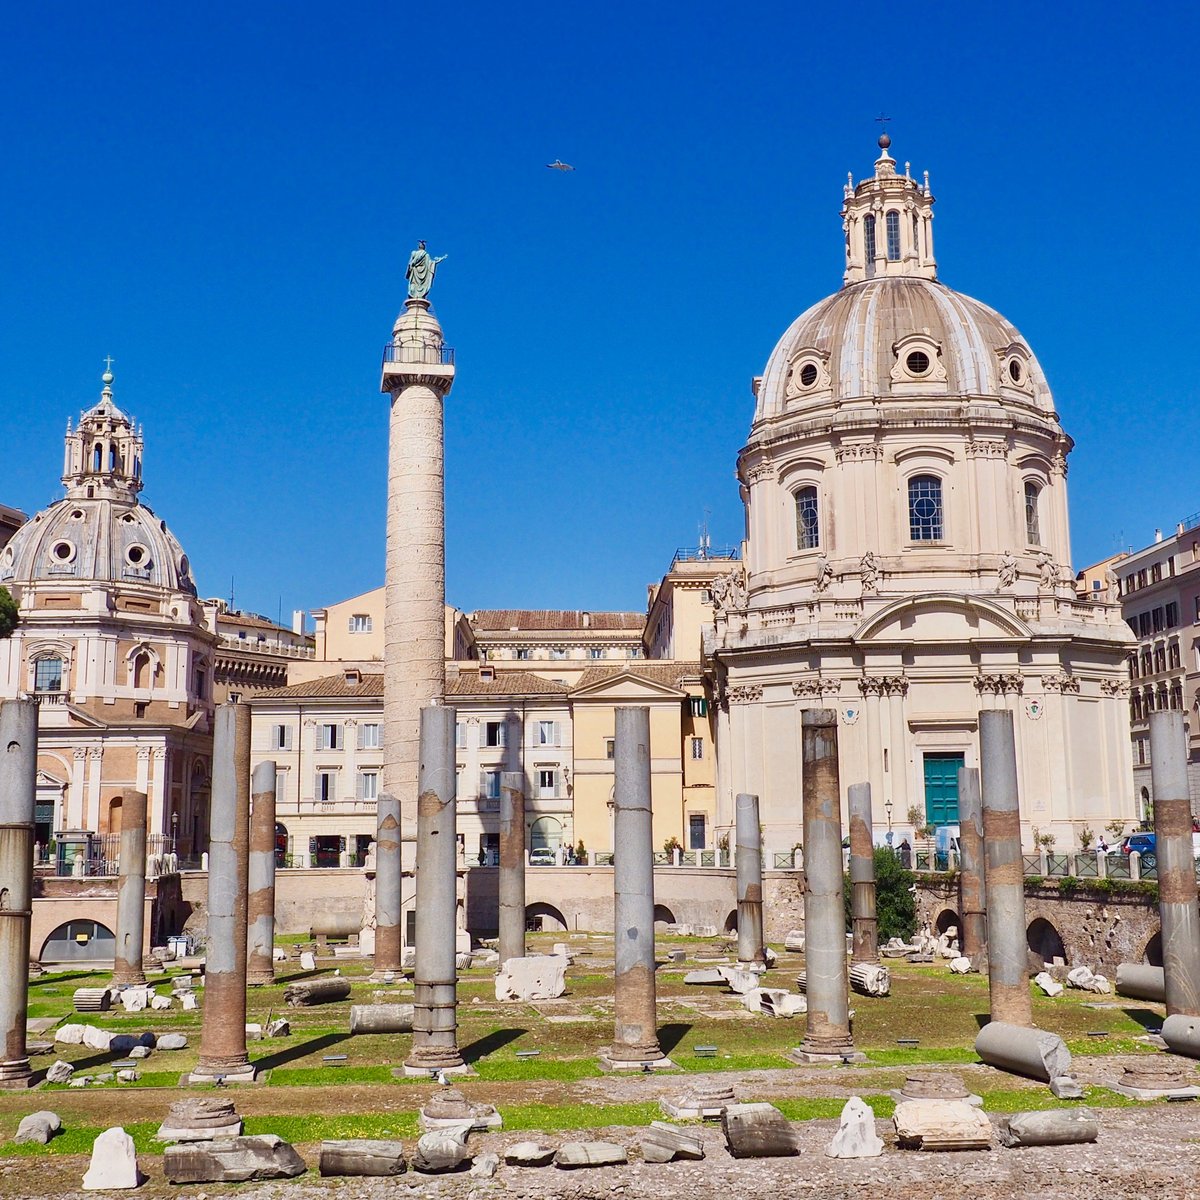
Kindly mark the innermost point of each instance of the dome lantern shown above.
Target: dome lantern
(888, 222)
(103, 455)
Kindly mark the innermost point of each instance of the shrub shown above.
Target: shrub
(8, 613)
(895, 906)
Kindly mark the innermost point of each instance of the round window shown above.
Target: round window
(808, 374)
(77, 515)
(1014, 370)
(137, 556)
(63, 551)
(184, 566)
(917, 362)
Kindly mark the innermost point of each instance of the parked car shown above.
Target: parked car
(1144, 844)
(543, 856)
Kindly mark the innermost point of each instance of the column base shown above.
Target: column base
(407, 1071)
(120, 982)
(828, 1056)
(16, 1075)
(626, 1065)
(260, 980)
(386, 975)
(242, 1072)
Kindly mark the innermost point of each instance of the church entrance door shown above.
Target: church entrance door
(941, 788)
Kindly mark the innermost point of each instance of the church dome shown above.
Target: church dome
(99, 533)
(899, 336)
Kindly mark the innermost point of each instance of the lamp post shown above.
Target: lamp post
(174, 833)
(887, 808)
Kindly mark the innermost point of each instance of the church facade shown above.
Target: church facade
(113, 644)
(907, 555)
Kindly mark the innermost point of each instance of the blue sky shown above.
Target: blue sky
(224, 197)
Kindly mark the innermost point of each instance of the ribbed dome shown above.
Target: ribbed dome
(857, 343)
(97, 540)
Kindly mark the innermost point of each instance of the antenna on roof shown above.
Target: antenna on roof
(705, 540)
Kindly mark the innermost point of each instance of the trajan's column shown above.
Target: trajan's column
(418, 371)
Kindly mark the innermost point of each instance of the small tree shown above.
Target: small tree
(8, 613)
(672, 844)
(1086, 839)
(581, 851)
(895, 906)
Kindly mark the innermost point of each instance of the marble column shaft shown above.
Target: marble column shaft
(972, 905)
(131, 891)
(864, 923)
(260, 901)
(748, 832)
(512, 865)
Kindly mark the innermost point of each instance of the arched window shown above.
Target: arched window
(48, 674)
(1033, 529)
(1135, 706)
(141, 670)
(869, 242)
(893, 236)
(925, 522)
(916, 235)
(112, 457)
(97, 457)
(808, 519)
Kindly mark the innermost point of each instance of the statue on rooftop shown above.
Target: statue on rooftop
(421, 270)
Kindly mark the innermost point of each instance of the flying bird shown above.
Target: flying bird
(559, 165)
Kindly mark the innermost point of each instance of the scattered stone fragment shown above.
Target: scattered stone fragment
(856, 1136)
(107, 1077)
(449, 1108)
(140, 1052)
(486, 1165)
(869, 979)
(38, 1127)
(775, 1002)
(189, 1002)
(529, 1154)
(126, 1043)
(941, 1125)
(280, 1027)
(1157, 1078)
(539, 977)
(278, 955)
(127, 1075)
(794, 941)
(1086, 980)
(232, 1160)
(160, 1003)
(1049, 985)
(758, 1131)
(60, 1072)
(1066, 1087)
(92, 1000)
(709, 976)
(705, 1102)
(70, 1035)
(362, 1156)
(114, 1162)
(316, 991)
(662, 1143)
(739, 980)
(1052, 1127)
(308, 961)
(676, 956)
(96, 1039)
(442, 1150)
(381, 1018)
(135, 999)
(171, 1041)
(590, 1154)
(199, 1119)
(960, 966)
(769, 956)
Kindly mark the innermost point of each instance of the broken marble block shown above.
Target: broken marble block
(529, 1154)
(308, 961)
(449, 1108)
(199, 1119)
(280, 1027)
(60, 1072)
(941, 1125)
(97, 1039)
(70, 1035)
(856, 1136)
(590, 1154)
(758, 1131)
(135, 999)
(1050, 1127)
(794, 941)
(775, 1002)
(1087, 980)
(232, 1160)
(1049, 985)
(159, 1003)
(960, 966)
(362, 1156)
(442, 1150)
(708, 976)
(171, 1041)
(662, 1143)
(114, 1163)
(739, 980)
(539, 977)
(38, 1127)
(316, 991)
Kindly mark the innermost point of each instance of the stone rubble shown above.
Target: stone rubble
(664, 1143)
(529, 1154)
(232, 1160)
(1048, 984)
(538, 977)
(757, 1131)
(941, 1125)
(114, 1163)
(199, 1119)
(60, 1072)
(442, 1150)
(1049, 1127)
(362, 1157)
(1086, 980)
(856, 1136)
(38, 1127)
(590, 1154)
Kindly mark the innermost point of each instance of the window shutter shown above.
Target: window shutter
(483, 783)
(557, 733)
(287, 738)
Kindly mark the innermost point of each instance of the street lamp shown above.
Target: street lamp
(174, 832)
(887, 808)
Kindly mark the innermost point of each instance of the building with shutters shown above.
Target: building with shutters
(907, 554)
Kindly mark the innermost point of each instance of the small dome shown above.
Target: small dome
(97, 540)
(899, 336)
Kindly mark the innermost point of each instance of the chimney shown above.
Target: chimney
(1157, 536)
(353, 676)
(297, 620)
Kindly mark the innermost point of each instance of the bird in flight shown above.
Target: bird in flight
(559, 165)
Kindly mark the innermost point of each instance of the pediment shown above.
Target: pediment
(943, 618)
(627, 686)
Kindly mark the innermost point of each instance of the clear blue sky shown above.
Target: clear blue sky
(223, 197)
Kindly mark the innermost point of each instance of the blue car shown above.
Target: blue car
(1144, 844)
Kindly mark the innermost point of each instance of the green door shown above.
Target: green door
(941, 788)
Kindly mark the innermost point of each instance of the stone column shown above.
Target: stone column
(865, 925)
(131, 891)
(635, 1041)
(223, 1031)
(435, 994)
(1177, 905)
(260, 903)
(388, 875)
(828, 1032)
(748, 833)
(418, 379)
(18, 784)
(972, 902)
(1007, 947)
(512, 865)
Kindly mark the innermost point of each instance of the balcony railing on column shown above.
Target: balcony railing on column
(433, 356)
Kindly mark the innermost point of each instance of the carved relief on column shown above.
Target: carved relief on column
(1119, 687)
(1062, 682)
(999, 684)
(815, 687)
(894, 685)
(987, 448)
(745, 693)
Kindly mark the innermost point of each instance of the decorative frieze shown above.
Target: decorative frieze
(815, 686)
(1115, 687)
(1000, 684)
(745, 693)
(859, 452)
(987, 448)
(1062, 682)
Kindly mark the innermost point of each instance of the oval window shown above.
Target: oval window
(917, 362)
(137, 556)
(184, 566)
(1014, 370)
(808, 374)
(63, 551)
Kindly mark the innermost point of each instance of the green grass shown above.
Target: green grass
(687, 1061)
(326, 1076)
(1025, 1099)
(511, 1070)
(915, 1055)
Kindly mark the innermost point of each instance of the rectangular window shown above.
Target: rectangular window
(329, 736)
(281, 737)
(808, 521)
(325, 791)
(1196, 610)
(1142, 578)
(1159, 620)
(1160, 658)
(495, 733)
(370, 737)
(360, 623)
(368, 785)
(491, 785)
(697, 749)
(1156, 573)
(1172, 615)
(557, 652)
(696, 824)
(460, 735)
(1141, 745)
(698, 706)
(1133, 666)
(610, 748)
(635, 652)
(47, 675)
(523, 653)
(925, 508)
(1143, 624)
(892, 225)
(547, 733)
(1033, 526)
(1173, 658)
(547, 781)
(281, 782)
(595, 652)
(1130, 584)
(1147, 662)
